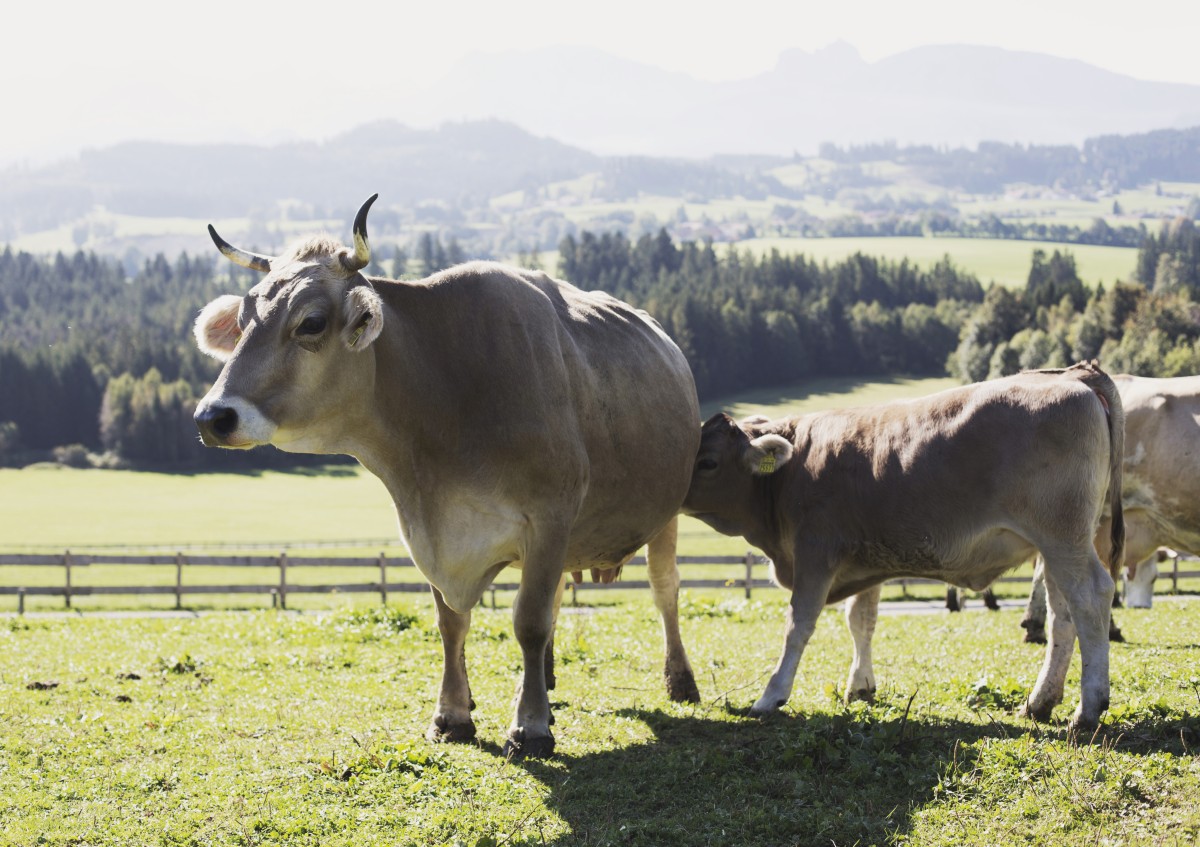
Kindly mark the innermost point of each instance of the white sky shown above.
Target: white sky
(84, 74)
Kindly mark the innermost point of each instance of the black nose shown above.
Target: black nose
(216, 423)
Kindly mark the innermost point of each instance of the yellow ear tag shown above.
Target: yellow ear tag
(766, 464)
(357, 335)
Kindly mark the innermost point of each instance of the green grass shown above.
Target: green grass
(1005, 262)
(256, 729)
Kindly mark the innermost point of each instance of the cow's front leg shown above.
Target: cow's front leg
(862, 611)
(810, 588)
(663, 572)
(452, 717)
(533, 621)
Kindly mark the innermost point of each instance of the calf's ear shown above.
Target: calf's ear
(216, 328)
(364, 317)
(766, 453)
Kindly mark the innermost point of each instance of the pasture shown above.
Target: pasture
(277, 728)
(991, 260)
(338, 510)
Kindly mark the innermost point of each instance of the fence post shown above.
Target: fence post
(574, 595)
(1175, 575)
(20, 601)
(382, 579)
(178, 580)
(283, 580)
(67, 571)
(749, 572)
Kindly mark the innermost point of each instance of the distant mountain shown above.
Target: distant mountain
(457, 162)
(944, 95)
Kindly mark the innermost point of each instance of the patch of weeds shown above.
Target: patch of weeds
(163, 782)
(184, 665)
(983, 694)
(402, 758)
(707, 607)
(372, 624)
(41, 686)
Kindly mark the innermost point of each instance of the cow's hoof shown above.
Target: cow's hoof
(442, 729)
(1034, 635)
(681, 688)
(1039, 713)
(1084, 726)
(519, 746)
(763, 710)
(866, 695)
(1116, 635)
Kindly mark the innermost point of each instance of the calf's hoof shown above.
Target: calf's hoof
(763, 709)
(1084, 726)
(1115, 634)
(443, 729)
(866, 695)
(520, 746)
(681, 688)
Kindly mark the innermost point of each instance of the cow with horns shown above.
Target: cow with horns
(514, 419)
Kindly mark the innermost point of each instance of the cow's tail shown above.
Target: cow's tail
(1090, 374)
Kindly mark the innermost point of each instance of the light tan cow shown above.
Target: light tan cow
(960, 486)
(1161, 488)
(514, 419)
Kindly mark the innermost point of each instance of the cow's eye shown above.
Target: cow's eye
(706, 464)
(312, 325)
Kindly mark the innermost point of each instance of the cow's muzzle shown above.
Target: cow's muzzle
(216, 424)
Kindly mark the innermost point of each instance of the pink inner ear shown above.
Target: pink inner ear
(217, 330)
(223, 331)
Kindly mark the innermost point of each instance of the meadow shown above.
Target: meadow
(277, 728)
(338, 510)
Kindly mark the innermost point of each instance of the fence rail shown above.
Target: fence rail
(283, 564)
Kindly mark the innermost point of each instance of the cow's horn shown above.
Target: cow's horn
(238, 256)
(362, 248)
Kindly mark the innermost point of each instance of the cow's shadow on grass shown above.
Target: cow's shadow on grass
(811, 779)
(842, 778)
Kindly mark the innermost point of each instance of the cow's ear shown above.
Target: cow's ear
(216, 328)
(364, 317)
(766, 453)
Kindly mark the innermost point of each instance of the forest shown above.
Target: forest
(99, 368)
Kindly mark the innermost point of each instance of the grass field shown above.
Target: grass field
(1005, 262)
(272, 729)
(338, 511)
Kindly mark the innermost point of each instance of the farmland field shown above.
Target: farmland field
(339, 511)
(272, 728)
(992, 260)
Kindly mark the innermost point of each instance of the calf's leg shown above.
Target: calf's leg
(1034, 622)
(810, 588)
(862, 611)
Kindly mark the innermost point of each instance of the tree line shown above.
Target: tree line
(99, 367)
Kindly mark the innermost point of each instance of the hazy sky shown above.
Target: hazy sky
(86, 74)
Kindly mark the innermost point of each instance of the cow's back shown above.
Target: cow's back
(548, 394)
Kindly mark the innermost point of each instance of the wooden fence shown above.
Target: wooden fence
(279, 589)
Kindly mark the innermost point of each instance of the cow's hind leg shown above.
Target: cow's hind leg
(862, 611)
(810, 588)
(663, 573)
(452, 717)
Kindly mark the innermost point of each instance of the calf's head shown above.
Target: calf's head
(291, 346)
(730, 464)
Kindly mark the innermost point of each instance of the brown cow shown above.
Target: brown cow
(514, 419)
(1161, 487)
(960, 486)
